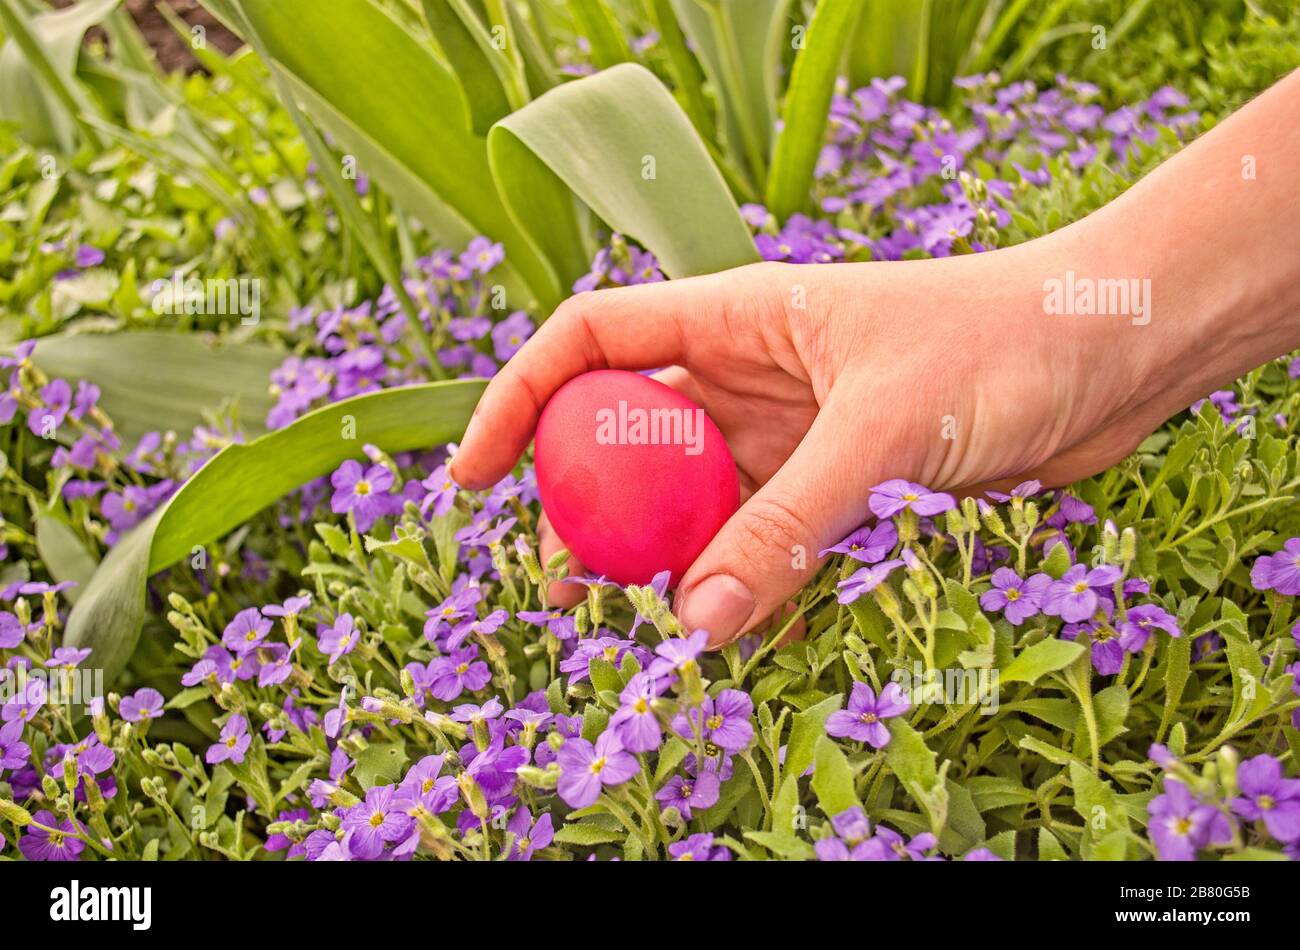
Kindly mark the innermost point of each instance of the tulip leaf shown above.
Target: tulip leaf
(399, 100)
(240, 481)
(38, 89)
(156, 380)
(621, 142)
(807, 106)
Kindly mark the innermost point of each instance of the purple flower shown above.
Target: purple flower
(678, 653)
(529, 835)
(442, 490)
(361, 491)
(488, 625)
(451, 611)
(509, 335)
(864, 580)
(723, 721)
(56, 399)
(891, 497)
(687, 793)
(1019, 599)
(1074, 598)
(452, 675)
(482, 255)
(698, 847)
(473, 713)
(234, 743)
(635, 722)
(14, 753)
(862, 720)
(88, 256)
(1268, 797)
(145, 704)
(1141, 620)
(867, 545)
(67, 658)
(374, 822)
(659, 584)
(339, 639)
(58, 843)
(1280, 571)
(11, 631)
(1181, 824)
(1106, 653)
(586, 768)
(981, 854)
(1023, 490)
(246, 631)
(561, 627)
(290, 608)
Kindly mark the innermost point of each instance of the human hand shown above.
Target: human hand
(828, 379)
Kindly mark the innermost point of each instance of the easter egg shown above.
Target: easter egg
(634, 477)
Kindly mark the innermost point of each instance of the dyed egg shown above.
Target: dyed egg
(634, 477)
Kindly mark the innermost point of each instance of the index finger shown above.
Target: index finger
(640, 327)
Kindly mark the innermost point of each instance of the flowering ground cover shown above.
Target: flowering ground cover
(314, 645)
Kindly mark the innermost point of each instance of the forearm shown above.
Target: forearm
(1214, 230)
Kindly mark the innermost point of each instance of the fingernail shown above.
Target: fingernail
(719, 604)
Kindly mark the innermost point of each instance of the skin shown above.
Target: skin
(870, 378)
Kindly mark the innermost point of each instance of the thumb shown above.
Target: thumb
(768, 550)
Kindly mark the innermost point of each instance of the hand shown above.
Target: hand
(828, 379)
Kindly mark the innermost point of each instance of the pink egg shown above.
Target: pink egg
(634, 477)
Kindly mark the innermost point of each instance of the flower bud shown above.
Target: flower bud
(581, 620)
(532, 568)
(557, 560)
(473, 795)
(1031, 515)
(993, 521)
(1228, 759)
(544, 779)
(1128, 546)
(11, 811)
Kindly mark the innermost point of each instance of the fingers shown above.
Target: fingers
(639, 327)
(768, 550)
(559, 594)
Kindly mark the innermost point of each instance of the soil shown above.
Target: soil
(171, 49)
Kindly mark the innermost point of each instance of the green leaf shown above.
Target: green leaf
(806, 729)
(594, 21)
(1178, 657)
(1035, 662)
(1111, 707)
(387, 94)
(1058, 562)
(156, 380)
(65, 557)
(604, 676)
(38, 86)
(381, 763)
(1050, 848)
(471, 62)
(832, 779)
(807, 106)
(587, 835)
(914, 763)
(598, 136)
(783, 845)
(240, 481)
